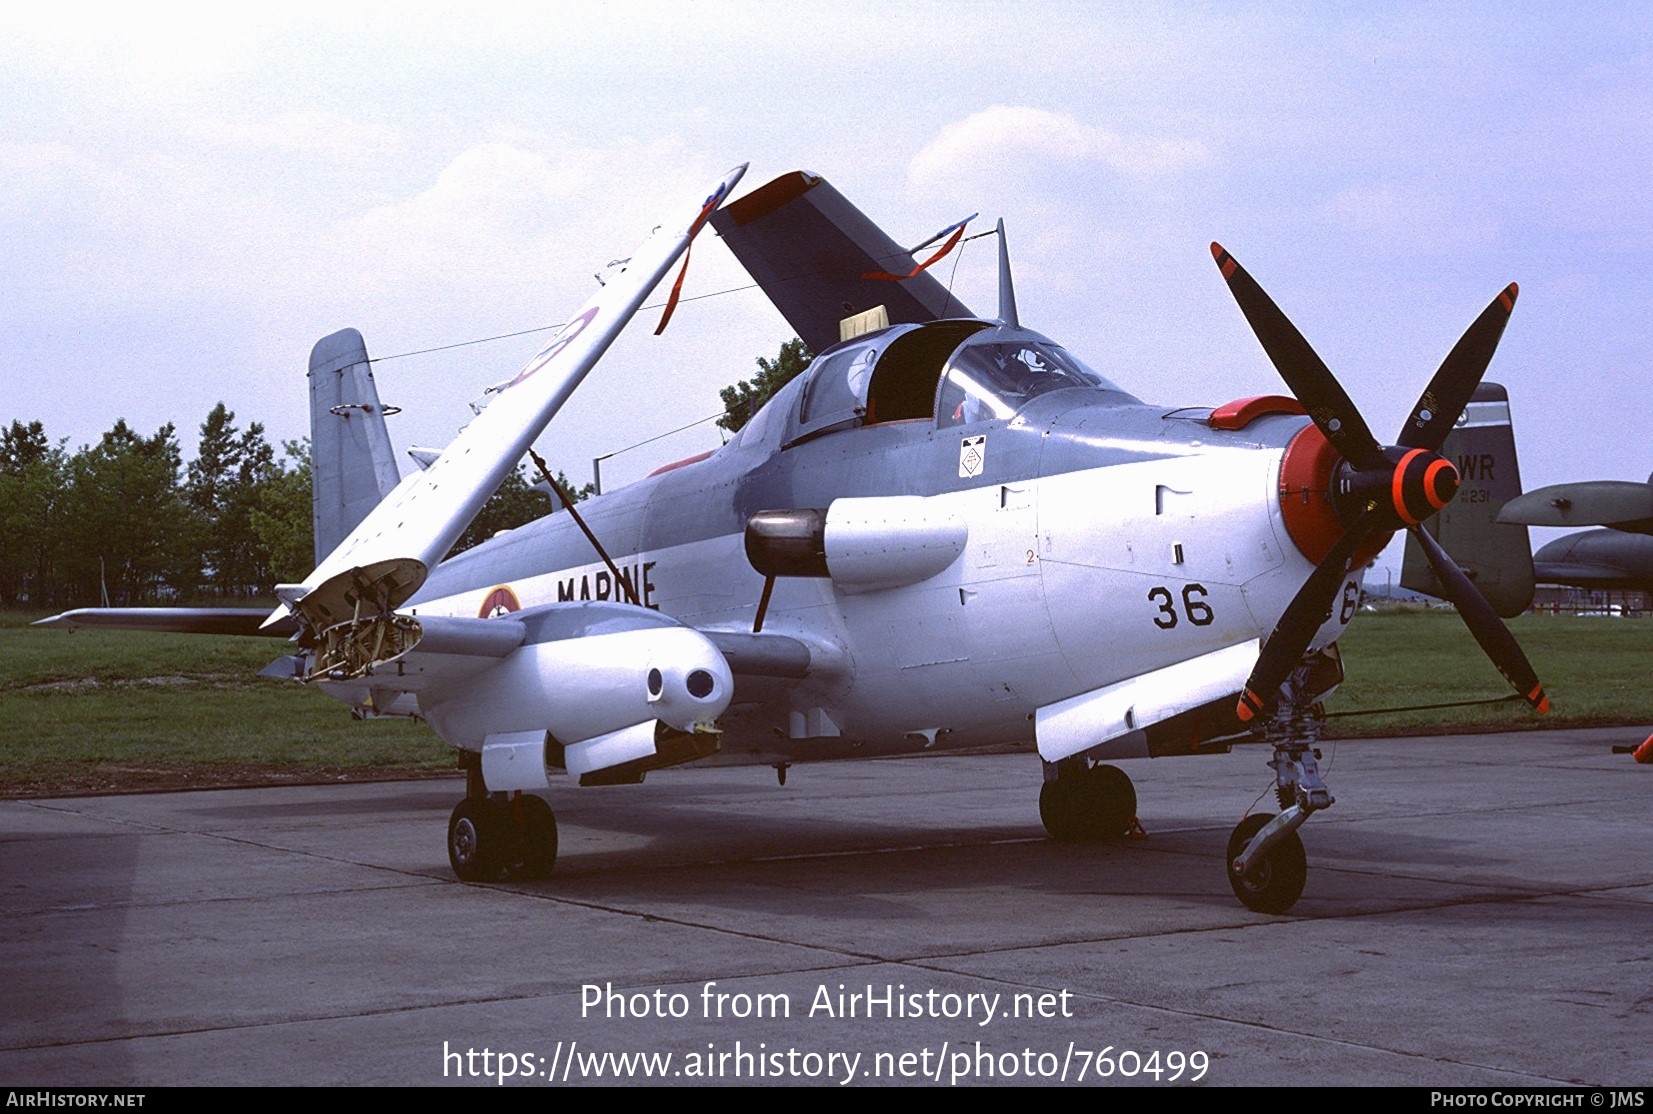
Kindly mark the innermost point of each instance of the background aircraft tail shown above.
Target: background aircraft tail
(352, 465)
(1497, 556)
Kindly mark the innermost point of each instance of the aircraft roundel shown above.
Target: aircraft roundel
(500, 601)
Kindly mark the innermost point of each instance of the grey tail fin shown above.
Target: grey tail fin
(352, 465)
(812, 252)
(1497, 556)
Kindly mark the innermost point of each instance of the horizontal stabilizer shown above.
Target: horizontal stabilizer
(174, 620)
(809, 249)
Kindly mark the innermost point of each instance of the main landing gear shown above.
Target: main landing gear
(494, 835)
(1266, 863)
(1081, 803)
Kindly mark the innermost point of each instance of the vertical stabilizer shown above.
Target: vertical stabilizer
(1497, 556)
(352, 466)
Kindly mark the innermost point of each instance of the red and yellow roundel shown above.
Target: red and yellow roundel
(499, 601)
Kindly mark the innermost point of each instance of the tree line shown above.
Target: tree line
(126, 521)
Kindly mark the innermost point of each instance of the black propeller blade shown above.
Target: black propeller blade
(1448, 392)
(1308, 377)
(1309, 609)
(1483, 622)
(1384, 489)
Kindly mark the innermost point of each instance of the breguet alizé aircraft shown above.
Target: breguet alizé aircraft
(948, 532)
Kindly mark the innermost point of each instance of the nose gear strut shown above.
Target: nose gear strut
(1266, 864)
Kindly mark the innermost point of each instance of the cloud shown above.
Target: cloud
(1012, 139)
(509, 205)
(322, 134)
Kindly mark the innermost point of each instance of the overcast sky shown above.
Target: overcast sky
(191, 196)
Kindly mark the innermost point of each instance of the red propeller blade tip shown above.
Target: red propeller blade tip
(1507, 298)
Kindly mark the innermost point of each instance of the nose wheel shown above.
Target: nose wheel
(1273, 881)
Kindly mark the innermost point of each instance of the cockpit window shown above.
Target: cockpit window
(838, 386)
(987, 381)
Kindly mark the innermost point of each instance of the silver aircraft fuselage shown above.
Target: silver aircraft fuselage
(1106, 539)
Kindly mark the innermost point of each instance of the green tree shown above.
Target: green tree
(122, 521)
(745, 398)
(31, 488)
(223, 491)
(283, 520)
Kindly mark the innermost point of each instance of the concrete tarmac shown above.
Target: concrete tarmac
(1479, 912)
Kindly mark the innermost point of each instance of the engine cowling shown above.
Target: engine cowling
(862, 545)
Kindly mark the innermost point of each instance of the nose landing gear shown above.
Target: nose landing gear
(1267, 867)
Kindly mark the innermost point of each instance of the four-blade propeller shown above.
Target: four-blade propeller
(1376, 488)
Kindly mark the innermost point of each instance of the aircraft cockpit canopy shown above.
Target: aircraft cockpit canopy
(949, 372)
(990, 377)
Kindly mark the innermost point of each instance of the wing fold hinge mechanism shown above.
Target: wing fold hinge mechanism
(374, 634)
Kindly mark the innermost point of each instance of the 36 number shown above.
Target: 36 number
(1193, 606)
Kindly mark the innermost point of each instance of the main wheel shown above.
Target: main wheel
(1088, 805)
(1275, 882)
(536, 840)
(1113, 801)
(475, 838)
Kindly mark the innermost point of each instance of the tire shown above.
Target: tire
(1059, 811)
(1088, 806)
(1115, 801)
(536, 841)
(475, 835)
(1274, 884)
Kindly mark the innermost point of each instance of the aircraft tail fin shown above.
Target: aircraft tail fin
(1497, 556)
(813, 252)
(352, 465)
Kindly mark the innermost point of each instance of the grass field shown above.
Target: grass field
(108, 710)
(104, 710)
